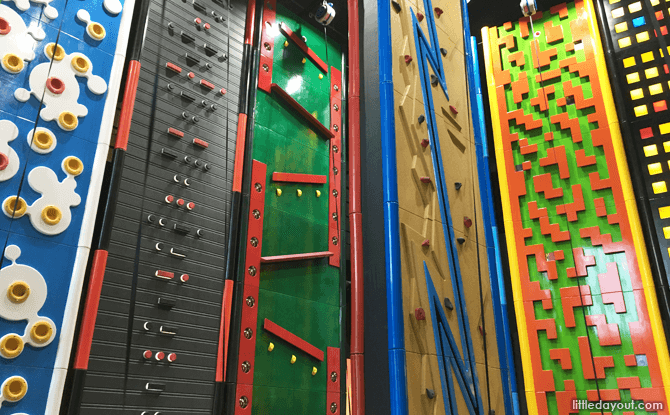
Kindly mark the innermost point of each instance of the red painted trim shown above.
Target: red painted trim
(239, 152)
(267, 45)
(302, 111)
(299, 178)
(293, 340)
(295, 257)
(303, 46)
(334, 202)
(247, 349)
(355, 215)
(90, 309)
(251, 19)
(333, 388)
(126, 116)
(224, 332)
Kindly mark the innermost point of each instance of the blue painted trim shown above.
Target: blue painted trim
(396, 334)
(498, 295)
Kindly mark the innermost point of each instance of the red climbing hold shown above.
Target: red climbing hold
(424, 143)
(55, 85)
(4, 26)
(419, 16)
(467, 222)
(4, 161)
(420, 314)
(425, 179)
(438, 12)
(453, 109)
(408, 59)
(426, 242)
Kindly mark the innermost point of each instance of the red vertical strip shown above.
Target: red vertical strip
(252, 266)
(129, 94)
(251, 19)
(239, 152)
(224, 332)
(335, 197)
(334, 378)
(270, 30)
(90, 309)
(355, 215)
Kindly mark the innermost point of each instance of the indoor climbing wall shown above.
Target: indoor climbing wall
(157, 347)
(289, 356)
(448, 326)
(61, 63)
(585, 302)
(636, 35)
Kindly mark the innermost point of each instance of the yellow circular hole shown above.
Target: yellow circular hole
(79, 63)
(73, 166)
(12, 63)
(41, 332)
(51, 215)
(96, 31)
(11, 346)
(43, 140)
(15, 389)
(18, 292)
(15, 206)
(60, 52)
(67, 120)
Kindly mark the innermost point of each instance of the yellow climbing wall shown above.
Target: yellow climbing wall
(421, 231)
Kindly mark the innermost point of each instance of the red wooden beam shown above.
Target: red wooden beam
(295, 257)
(294, 340)
(303, 46)
(301, 110)
(299, 178)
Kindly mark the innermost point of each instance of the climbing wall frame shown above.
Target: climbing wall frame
(436, 325)
(290, 337)
(61, 72)
(585, 302)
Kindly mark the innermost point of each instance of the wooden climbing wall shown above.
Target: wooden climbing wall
(442, 254)
(584, 298)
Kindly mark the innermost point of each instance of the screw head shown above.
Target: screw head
(266, 68)
(250, 301)
(333, 376)
(335, 240)
(334, 215)
(267, 46)
(337, 88)
(336, 128)
(248, 333)
(258, 187)
(336, 107)
(335, 170)
(246, 367)
(333, 407)
(256, 214)
(244, 401)
(252, 271)
(335, 192)
(254, 241)
(336, 149)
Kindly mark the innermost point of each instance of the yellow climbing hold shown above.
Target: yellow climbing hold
(299, 192)
(293, 359)
(271, 347)
(278, 192)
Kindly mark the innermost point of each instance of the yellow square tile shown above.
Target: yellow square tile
(633, 77)
(616, 13)
(635, 7)
(666, 146)
(664, 212)
(659, 187)
(636, 94)
(655, 168)
(654, 2)
(656, 89)
(666, 232)
(664, 128)
(642, 37)
(628, 62)
(650, 150)
(641, 111)
(651, 72)
(621, 27)
(624, 42)
(616, 1)
(647, 57)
